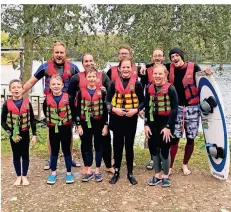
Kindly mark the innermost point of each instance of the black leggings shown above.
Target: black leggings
(107, 150)
(87, 142)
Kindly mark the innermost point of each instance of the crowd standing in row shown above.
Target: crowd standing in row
(84, 99)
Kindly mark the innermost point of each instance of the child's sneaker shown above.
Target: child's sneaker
(87, 177)
(51, 179)
(98, 177)
(69, 179)
(166, 182)
(154, 181)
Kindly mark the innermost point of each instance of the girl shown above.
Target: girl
(160, 113)
(125, 99)
(59, 115)
(92, 120)
(16, 119)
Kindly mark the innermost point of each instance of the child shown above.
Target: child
(59, 115)
(16, 119)
(92, 121)
(160, 113)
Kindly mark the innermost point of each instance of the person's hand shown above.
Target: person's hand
(141, 114)
(166, 134)
(105, 130)
(143, 70)
(16, 138)
(80, 130)
(147, 132)
(207, 71)
(131, 112)
(34, 140)
(118, 111)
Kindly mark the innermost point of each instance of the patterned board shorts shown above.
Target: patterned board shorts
(188, 120)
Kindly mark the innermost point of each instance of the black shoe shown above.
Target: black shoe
(132, 179)
(115, 178)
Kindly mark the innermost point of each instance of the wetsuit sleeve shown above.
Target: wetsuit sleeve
(140, 94)
(174, 105)
(105, 113)
(73, 86)
(72, 107)
(32, 120)
(146, 103)
(40, 73)
(45, 107)
(109, 73)
(4, 118)
(196, 69)
(78, 109)
(110, 94)
(75, 68)
(106, 80)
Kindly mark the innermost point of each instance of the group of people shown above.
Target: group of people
(165, 94)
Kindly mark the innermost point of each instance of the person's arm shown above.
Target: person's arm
(73, 87)
(106, 80)
(109, 73)
(75, 68)
(78, 109)
(174, 106)
(72, 107)
(140, 94)
(45, 107)
(29, 84)
(32, 120)
(105, 112)
(110, 94)
(196, 69)
(4, 118)
(146, 104)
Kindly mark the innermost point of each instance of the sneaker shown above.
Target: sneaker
(87, 177)
(75, 164)
(98, 177)
(47, 165)
(154, 181)
(51, 179)
(166, 182)
(150, 165)
(69, 179)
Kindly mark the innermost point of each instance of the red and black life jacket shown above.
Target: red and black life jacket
(114, 72)
(91, 107)
(191, 91)
(18, 118)
(125, 98)
(159, 101)
(52, 71)
(83, 81)
(58, 114)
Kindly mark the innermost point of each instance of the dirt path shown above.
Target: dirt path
(197, 192)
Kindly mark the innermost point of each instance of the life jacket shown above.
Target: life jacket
(114, 72)
(159, 102)
(52, 71)
(150, 74)
(18, 119)
(60, 114)
(125, 98)
(91, 107)
(83, 81)
(191, 91)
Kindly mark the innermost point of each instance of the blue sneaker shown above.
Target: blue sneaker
(154, 181)
(166, 182)
(150, 165)
(98, 177)
(87, 177)
(51, 179)
(69, 179)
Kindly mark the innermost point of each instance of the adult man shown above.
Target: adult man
(76, 82)
(58, 65)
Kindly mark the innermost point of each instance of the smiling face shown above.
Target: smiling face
(176, 60)
(158, 56)
(87, 61)
(125, 68)
(159, 75)
(16, 90)
(59, 54)
(91, 77)
(56, 85)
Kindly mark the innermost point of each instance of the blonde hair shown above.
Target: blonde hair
(15, 80)
(126, 47)
(58, 43)
(57, 77)
(164, 67)
(158, 48)
(91, 69)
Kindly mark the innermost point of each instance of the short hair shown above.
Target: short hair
(126, 47)
(87, 54)
(91, 69)
(125, 59)
(15, 80)
(58, 43)
(57, 77)
(158, 48)
(163, 66)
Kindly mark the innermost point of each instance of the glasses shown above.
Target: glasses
(123, 53)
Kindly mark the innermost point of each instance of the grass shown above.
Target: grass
(198, 160)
